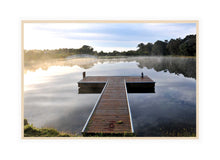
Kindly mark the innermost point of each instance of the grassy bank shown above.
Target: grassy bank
(180, 132)
(31, 131)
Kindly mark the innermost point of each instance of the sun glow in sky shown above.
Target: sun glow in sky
(101, 36)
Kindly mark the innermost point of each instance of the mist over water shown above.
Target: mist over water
(51, 96)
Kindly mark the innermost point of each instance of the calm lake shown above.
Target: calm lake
(51, 96)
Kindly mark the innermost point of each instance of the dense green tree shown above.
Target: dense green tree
(148, 48)
(188, 46)
(144, 49)
(173, 46)
(159, 48)
(86, 49)
(140, 48)
(115, 53)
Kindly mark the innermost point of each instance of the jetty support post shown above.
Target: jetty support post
(142, 75)
(84, 74)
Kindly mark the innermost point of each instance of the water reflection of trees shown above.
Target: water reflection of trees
(185, 66)
(85, 63)
(177, 65)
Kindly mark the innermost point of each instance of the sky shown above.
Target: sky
(101, 36)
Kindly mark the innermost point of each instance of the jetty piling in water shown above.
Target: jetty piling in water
(84, 74)
(111, 114)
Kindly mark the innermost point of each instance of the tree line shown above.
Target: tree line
(185, 47)
(178, 46)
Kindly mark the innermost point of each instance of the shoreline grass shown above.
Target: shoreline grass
(32, 131)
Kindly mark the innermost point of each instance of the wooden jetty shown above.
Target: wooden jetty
(111, 114)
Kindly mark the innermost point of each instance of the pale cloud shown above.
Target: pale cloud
(174, 30)
(101, 36)
(44, 39)
(60, 26)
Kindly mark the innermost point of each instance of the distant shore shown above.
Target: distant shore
(174, 47)
(50, 56)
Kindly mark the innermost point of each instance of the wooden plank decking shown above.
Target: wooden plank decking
(111, 113)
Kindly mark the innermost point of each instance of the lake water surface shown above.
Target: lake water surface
(51, 96)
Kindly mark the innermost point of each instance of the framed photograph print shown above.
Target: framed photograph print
(99, 78)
